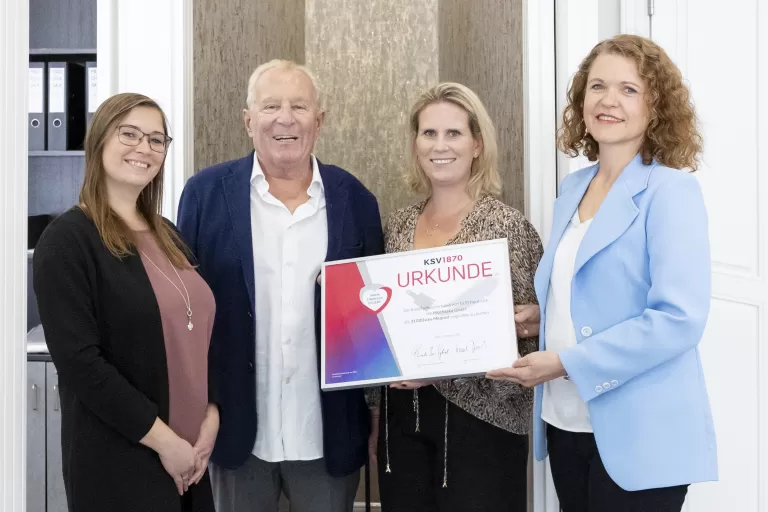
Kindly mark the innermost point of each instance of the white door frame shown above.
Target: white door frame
(540, 156)
(14, 65)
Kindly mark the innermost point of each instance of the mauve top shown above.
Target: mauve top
(186, 350)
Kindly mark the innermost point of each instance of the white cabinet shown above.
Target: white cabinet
(36, 442)
(45, 482)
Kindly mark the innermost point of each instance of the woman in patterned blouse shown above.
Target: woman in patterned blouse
(459, 444)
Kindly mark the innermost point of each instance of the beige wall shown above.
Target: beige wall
(231, 38)
(481, 46)
(373, 59)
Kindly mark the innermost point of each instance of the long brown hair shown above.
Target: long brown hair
(671, 137)
(113, 230)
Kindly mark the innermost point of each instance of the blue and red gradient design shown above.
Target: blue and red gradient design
(355, 345)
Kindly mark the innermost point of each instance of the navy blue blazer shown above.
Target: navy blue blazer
(215, 220)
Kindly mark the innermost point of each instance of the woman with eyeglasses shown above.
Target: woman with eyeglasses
(128, 321)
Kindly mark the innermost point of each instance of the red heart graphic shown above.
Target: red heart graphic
(388, 293)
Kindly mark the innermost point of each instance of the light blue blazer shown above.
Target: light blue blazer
(640, 298)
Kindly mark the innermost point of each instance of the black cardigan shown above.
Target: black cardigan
(103, 329)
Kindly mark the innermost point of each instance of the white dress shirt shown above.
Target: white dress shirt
(562, 406)
(288, 252)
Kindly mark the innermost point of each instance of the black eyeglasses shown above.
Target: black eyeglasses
(132, 136)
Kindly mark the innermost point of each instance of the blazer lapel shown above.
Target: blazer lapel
(616, 213)
(336, 197)
(565, 206)
(237, 192)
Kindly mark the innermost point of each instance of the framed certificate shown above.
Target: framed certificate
(425, 314)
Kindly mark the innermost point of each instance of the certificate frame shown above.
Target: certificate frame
(375, 333)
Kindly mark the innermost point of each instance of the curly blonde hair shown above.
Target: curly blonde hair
(672, 137)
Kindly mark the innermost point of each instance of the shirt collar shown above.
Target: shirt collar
(259, 181)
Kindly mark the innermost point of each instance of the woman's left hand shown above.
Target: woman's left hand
(205, 441)
(531, 370)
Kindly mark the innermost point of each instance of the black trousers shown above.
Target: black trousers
(583, 485)
(486, 468)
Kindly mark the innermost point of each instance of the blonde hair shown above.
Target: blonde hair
(672, 137)
(484, 174)
(113, 231)
(288, 65)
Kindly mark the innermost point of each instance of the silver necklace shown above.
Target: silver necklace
(431, 230)
(187, 301)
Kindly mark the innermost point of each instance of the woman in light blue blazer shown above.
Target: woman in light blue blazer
(624, 286)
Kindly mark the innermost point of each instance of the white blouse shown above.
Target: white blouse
(562, 407)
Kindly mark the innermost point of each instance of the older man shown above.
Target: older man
(261, 228)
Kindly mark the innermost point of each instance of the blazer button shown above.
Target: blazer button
(606, 385)
(250, 367)
(249, 314)
(598, 389)
(586, 331)
(614, 383)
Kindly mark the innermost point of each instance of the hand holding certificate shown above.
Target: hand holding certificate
(427, 314)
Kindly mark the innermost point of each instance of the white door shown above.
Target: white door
(722, 50)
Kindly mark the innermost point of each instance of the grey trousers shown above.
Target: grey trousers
(256, 487)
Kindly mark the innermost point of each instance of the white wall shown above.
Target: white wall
(608, 18)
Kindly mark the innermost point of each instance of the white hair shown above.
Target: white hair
(279, 64)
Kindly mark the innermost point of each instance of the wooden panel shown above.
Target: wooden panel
(481, 46)
(372, 59)
(231, 38)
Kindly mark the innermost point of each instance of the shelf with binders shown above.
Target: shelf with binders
(62, 99)
(63, 96)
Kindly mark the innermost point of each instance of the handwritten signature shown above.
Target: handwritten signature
(440, 351)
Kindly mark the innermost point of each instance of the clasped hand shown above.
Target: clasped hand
(186, 463)
(180, 460)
